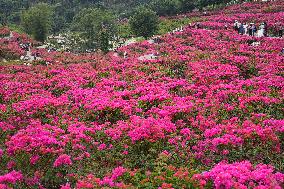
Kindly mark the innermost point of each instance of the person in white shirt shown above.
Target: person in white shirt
(245, 28)
(260, 32)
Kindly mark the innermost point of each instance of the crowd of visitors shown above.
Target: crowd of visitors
(252, 30)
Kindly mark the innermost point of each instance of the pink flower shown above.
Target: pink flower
(242, 173)
(63, 159)
(11, 177)
(11, 164)
(225, 152)
(34, 159)
(102, 147)
(66, 186)
(117, 172)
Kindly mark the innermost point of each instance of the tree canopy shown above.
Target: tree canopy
(166, 7)
(144, 22)
(97, 28)
(37, 21)
(65, 10)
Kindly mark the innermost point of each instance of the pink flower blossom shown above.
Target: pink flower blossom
(63, 159)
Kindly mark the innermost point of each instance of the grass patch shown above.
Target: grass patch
(165, 26)
(11, 62)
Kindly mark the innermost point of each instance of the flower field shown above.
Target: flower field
(9, 45)
(207, 113)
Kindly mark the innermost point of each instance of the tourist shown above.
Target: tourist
(198, 25)
(261, 31)
(245, 28)
(280, 30)
(254, 29)
(241, 29)
(250, 28)
(265, 29)
(125, 54)
(236, 25)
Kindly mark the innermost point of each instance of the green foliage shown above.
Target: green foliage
(124, 30)
(6, 10)
(187, 6)
(64, 11)
(204, 3)
(11, 62)
(167, 25)
(163, 174)
(96, 27)
(166, 7)
(144, 22)
(37, 21)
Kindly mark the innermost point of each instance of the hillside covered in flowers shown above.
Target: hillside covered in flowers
(206, 112)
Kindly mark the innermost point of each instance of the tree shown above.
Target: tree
(6, 8)
(144, 22)
(204, 3)
(96, 28)
(166, 7)
(37, 21)
(187, 5)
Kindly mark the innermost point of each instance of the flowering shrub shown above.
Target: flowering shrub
(242, 175)
(4, 31)
(207, 112)
(10, 50)
(10, 179)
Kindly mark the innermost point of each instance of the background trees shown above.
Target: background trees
(65, 10)
(166, 7)
(203, 3)
(7, 10)
(96, 27)
(144, 22)
(186, 6)
(37, 21)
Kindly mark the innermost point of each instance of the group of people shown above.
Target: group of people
(251, 29)
(25, 46)
(29, 56)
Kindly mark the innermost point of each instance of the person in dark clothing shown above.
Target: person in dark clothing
(241, 29)
(250, 28)
(236, 25)
(198, 25)
(265, 29)
(280, 30)
(254, 30)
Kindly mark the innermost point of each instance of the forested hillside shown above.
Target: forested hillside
(65, 10)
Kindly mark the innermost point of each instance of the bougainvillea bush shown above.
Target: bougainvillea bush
(10, 44)
(207, 113)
